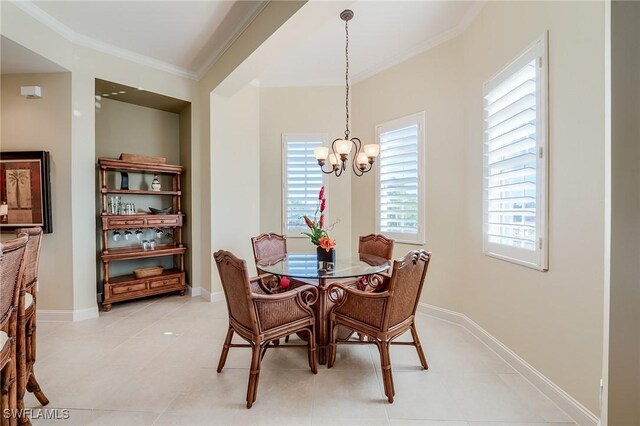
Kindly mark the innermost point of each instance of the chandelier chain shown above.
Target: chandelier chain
(346, 54)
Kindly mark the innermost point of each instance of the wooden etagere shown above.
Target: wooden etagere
(127, 287)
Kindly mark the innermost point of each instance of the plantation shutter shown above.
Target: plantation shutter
(514, 181)
(302, 180)
(399, 186)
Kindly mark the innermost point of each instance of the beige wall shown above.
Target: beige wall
(79, 291)
(301, 110)
(623, 387)
(235, 188)
(551, 319)
(45, 125)
(430, 82)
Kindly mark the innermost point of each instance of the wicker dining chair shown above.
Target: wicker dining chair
(261, 318)
(273, 246)
(12, 266)
(382, 316)
(26, 345)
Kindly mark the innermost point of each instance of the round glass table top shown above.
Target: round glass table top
(306, 265)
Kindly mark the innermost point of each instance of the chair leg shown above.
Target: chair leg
(225, 349)
(416, 342)
(286, 339)
(34, 388)
(387, 376)
(254, 375)
(313, 357)
(331, 356)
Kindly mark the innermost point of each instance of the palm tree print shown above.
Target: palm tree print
(19, 188)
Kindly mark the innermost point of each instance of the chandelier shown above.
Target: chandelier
(364, 156)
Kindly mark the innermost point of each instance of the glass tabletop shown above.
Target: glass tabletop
(306, 265)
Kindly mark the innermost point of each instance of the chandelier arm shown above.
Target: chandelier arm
(357, 143)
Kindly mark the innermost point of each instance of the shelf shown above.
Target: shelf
(117, 165)
(167, 273)
(126, 253)
(138, 192)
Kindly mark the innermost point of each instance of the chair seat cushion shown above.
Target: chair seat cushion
(28, 300)
(4, 338)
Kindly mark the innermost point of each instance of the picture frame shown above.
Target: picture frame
(25, 191)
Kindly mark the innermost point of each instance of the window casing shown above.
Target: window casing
(515, 160)
(301, 180)
(400, 194)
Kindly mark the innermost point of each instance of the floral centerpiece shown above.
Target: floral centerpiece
(318, 231)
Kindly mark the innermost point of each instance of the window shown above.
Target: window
(301, 180)
(515, 160)
(400, 183)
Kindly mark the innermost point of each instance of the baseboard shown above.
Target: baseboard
(216, 296)
(194, 291)
(67, 315)
(574, 409)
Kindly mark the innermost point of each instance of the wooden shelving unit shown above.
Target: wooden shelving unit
(127, 287)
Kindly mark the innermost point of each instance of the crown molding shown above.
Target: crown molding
(240, 28)
(81, 40)
(454, 32)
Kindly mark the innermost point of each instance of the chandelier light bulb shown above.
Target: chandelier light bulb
(321, 152)
(333, 159)
(362, 159)
(372, 150)
(343, 146)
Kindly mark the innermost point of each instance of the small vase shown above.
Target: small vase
(326, 256)
(155, 185)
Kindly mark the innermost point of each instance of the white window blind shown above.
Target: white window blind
(400, 193)
(515, 187)
(302, 180)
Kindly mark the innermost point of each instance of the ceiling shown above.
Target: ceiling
(185, 37)
(16, 59)
(381, 34)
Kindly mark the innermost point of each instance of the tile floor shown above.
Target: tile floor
(153, 362)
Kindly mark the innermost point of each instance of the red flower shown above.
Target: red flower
(327, 243)
(308, 221)
(321, 220)
(284, 282)
(321, 194)
(322, 205)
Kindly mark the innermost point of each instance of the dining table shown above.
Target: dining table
(306, 266)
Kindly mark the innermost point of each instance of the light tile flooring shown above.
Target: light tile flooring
(153, 362)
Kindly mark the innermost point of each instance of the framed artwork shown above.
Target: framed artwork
(25, 191)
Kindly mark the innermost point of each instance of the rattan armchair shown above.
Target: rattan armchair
(273, 246)
(11, 274)
(376, 245)
(382, 316)
(26, 346)
(261, 319)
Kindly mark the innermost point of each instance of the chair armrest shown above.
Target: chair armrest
(366, 307)
(259, 284)
(273, 310)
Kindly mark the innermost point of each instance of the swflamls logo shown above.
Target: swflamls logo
(38, 413)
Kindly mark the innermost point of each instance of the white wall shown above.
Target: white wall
(551, 319)
(235, 175)
(301, 110)
(45, 125)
